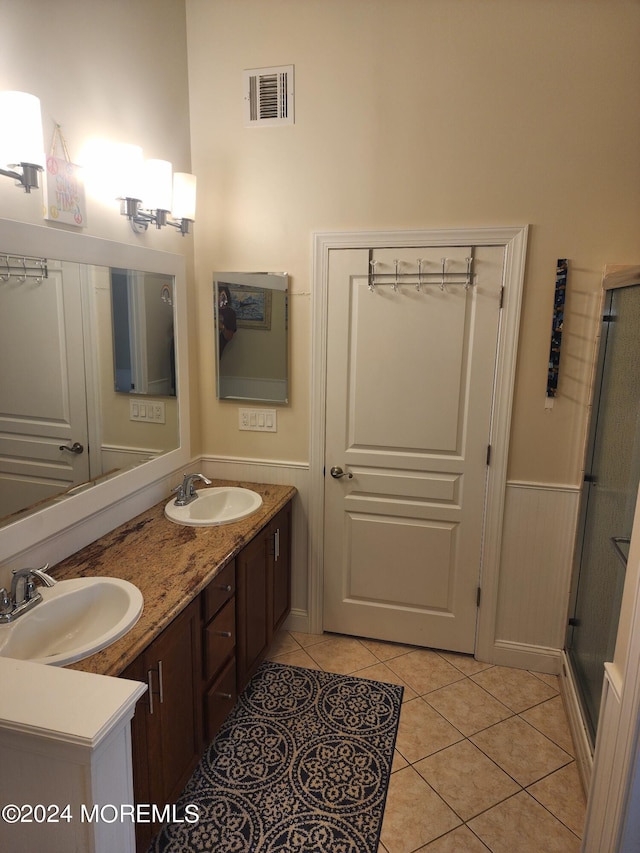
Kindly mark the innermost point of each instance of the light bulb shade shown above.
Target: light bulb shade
(21, 139)
(126, 164)
(184, 196)
(157, 190)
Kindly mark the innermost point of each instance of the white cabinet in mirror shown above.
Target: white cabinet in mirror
(66, 433)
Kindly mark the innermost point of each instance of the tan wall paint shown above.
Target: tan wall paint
(422, 113)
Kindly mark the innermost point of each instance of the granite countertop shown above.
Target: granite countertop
(168, 562)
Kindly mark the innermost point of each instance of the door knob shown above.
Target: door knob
(76, 447)
(337, 472)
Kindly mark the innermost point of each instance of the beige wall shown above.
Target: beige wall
(422, 113)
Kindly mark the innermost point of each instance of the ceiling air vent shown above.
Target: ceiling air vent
(268, 96)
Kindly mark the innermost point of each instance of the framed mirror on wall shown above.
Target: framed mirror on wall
(70, 443)
(251, 313)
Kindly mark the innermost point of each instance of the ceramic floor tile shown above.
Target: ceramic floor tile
(424, 670)
(562, 794)
(520, 750)
(307, 639)
(466, 779)
(552, 680)
(342, 655)
(381, 672)
(422, 731)
(467, 706)
(399, 761)
(550, 718)
(523, 825)
(414, 814)
(299, 658)
(460, 840)
(283, 642)
(465, 663)
(385, 651)
(515, 688)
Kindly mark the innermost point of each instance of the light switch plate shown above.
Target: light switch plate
(257, 420)
(149, 411)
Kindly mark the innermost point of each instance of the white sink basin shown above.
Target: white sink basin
(219, 505)
(75, 619)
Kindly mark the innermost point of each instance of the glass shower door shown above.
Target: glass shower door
(612, 474)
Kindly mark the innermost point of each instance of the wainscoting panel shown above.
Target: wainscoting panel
(287, 474)
(535, 571)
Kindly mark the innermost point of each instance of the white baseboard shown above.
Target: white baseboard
(298, 620)
(581, 742)
(522, 656)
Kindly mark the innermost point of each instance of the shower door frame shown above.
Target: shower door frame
(613, 282)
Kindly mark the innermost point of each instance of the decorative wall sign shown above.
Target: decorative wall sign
(63, 187)
(557, 323)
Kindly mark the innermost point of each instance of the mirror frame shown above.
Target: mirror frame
(25, 238)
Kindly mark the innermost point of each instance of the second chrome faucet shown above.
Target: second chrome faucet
(186, 491)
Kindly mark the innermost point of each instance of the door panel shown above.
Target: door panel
(410, 376)
(41, 414)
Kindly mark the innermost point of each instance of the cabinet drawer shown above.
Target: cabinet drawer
(220, 590)
(220, 699)
(219, 639)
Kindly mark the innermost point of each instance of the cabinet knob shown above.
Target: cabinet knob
(225, 587)
(224, 696)
(224, 633)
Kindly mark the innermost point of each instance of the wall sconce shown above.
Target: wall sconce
(21, 139)
(150, 194)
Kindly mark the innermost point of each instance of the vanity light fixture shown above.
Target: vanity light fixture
(21, 139)
(150, 194)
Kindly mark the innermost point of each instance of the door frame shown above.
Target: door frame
(514, 241)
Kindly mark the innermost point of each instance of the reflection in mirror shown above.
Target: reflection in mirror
(251, 315)
(62, 425)
(143, 339)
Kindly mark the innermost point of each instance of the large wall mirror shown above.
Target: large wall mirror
(67, 435)
(252, 320)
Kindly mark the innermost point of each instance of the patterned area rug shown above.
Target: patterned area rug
(301, 765)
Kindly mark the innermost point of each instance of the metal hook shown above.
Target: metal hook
(395, 283)
(8, 275)
(372, 272)
(444, 263)
(467, 283)
(419, 284)
(22, 278)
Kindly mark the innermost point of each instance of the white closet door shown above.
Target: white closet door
(410, 377)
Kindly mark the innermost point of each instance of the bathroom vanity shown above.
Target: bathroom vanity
(213, 599)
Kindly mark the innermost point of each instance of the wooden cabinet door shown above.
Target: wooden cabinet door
(252, 595)
(174, 722)
(279, 566)
(166, 730)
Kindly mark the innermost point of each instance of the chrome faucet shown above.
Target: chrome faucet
(186, 490)
(23, 595)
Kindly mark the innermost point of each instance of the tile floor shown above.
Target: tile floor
(484, 758)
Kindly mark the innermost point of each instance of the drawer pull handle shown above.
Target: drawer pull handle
(224, 633)
(225, 587)
(224, 695)
(150, 686)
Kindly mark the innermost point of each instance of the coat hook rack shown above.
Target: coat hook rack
(22, 268)
(442, 275)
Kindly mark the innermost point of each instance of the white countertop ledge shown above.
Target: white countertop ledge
(64, 705)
